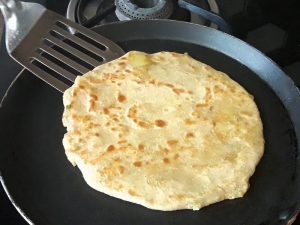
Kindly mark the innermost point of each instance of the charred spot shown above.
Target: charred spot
(92, 105)
(121, 98)
(137, 164)
(141, 147)
(160, 123)
(190, 135)
(110, 148)
(166, 160)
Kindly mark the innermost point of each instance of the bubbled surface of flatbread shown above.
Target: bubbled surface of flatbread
(164, 131)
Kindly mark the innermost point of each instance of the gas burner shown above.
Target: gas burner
(91, 13)
(143, 9)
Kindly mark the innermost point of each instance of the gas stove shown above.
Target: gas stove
(272, 26)
(94, 12)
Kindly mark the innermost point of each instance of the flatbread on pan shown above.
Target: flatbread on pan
(164, 131)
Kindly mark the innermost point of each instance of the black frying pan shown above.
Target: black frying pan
(47, 190)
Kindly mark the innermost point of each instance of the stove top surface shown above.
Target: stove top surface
(272, 26)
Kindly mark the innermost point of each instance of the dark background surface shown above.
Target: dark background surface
(275, 28)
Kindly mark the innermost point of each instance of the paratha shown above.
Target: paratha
(162, 130)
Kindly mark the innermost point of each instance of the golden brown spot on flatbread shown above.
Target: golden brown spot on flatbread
(121, 169)
(172, 142)
(144, 124)
(106, 110)
(141, 147)
(121, 98)
(166, 160)
(92, 105)
(180, 196)
(160, 123)
(137, 164)
(132, 193)
(110, 148)
(178, 91)
(94, 80)
(94, 97)
(77, 132)
(231, 157)
(189, 121)
(117, 159)
(169, 85)
(132, 112)
(176, 156)
(166, 150)
(190, 135)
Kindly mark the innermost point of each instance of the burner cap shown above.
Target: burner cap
(143, 9)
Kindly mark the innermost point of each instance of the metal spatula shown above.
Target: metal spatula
(41, 41)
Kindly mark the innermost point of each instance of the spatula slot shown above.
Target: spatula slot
(91, 41)
(77, 46)
(50, 71)
(81, 36)
(66, 56)
(59, 63)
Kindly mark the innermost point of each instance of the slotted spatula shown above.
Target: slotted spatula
(43, 42)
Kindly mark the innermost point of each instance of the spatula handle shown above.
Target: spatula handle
(9, 4)
(19, 18)
(8, 7)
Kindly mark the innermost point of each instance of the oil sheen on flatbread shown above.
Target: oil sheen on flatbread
(163, 130)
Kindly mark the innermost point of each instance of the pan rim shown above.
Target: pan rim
(2, 180)
(286, 102)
